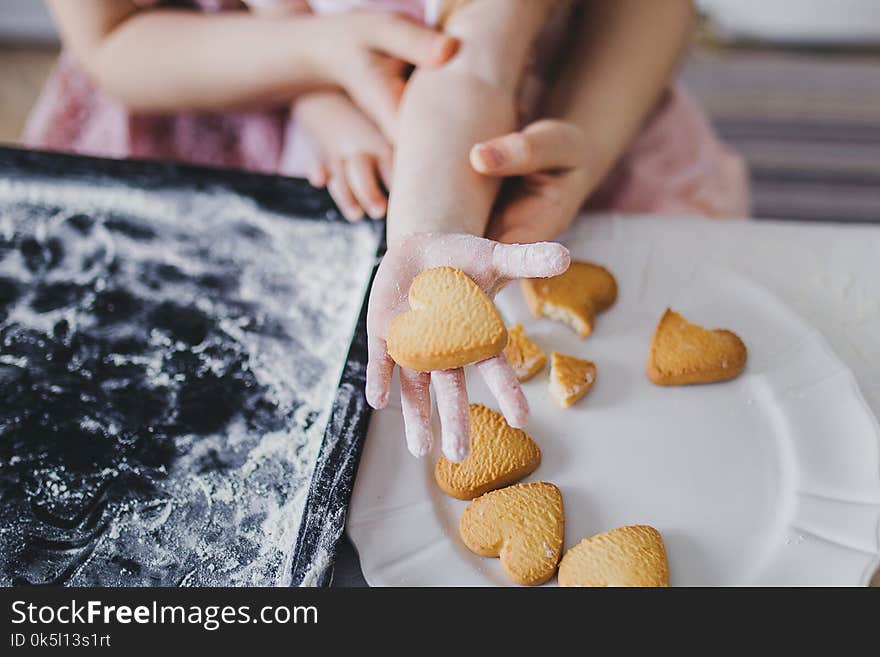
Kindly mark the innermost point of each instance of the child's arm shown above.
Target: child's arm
(170, 59)
(436, 196)
(446, 110)
(623, 58)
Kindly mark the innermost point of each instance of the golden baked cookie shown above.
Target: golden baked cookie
(525, 357)
(500, 455)
(626, 556)
(570, 378)
(683, 353)
(575, 297)
(521, 524)
(451, 323)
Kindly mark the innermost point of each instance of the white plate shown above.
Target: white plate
(770, 479)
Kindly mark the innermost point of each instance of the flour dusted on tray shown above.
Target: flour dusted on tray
(169, 360)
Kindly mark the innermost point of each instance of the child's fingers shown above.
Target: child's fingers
(380, 368)
(378, 96)
(377, 89)
(415, 400)
(542, 146)
(502, 381)
(362, 173)
(450, 391)
(385, 164)
(538, 260)
(341, 193)
(409, 41)
(319, 175)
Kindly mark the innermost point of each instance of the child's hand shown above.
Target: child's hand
(356, 157)
(552, 179)
(368, 54)
(491, 265)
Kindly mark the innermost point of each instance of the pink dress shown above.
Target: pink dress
(676, 165)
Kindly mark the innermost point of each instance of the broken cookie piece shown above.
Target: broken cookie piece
(525, 357)
(575, 297)
(570, 378)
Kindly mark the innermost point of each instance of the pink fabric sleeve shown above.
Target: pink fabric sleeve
(677, 165)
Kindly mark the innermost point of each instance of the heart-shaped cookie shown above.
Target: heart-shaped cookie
(570, 378)
(500, 455)
(683, 353)
(522, 524)
(575, 297)
(451, 323)
(626, 556)
(525, 357)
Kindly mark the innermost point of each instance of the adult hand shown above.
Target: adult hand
(491, 265)
(369, 54)
(550, 179)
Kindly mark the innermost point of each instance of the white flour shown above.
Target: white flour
(225, 509)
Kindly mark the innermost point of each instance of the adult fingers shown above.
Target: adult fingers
(538, 260)
(502, 381)
(413, 43)
(452, 407)
(542, 146)
(341, 193)
(380, 368)
(362, 174)
(415, 400)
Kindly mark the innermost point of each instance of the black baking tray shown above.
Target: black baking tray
(330, 489)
